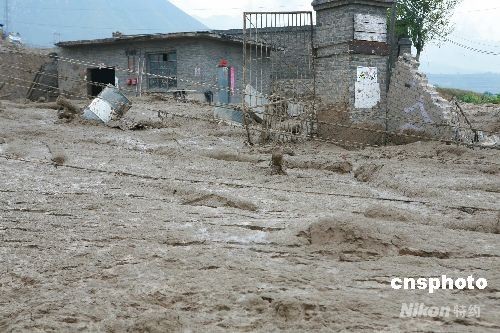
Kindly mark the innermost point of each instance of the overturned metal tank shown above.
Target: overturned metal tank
(108, 106)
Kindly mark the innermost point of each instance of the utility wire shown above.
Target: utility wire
(470, 48)
(494, 44)
(477, 10)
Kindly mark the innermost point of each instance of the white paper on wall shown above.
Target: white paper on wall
(367, 74)
(367, 94)
(370, 28)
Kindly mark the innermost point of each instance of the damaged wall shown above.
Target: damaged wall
(351, 36)
(21, 66)
(415, 107)
(300, 89)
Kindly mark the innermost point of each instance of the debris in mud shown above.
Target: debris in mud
(490, 169)
(351, 239)
(57, 156)
(367, 172)
(67, 110)
(339, 167)
(110, 105)
(342, 166)
(217, 201)
(387, 213)
(150, 321)
(485, 222)
(146, 125)
(232, 156)
(142, 125)
(451, 150)
(277, 166)
(288, 151)
(58, 159)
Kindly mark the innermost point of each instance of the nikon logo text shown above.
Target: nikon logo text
(413, 310)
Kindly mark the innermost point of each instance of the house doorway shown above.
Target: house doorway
(98, 78)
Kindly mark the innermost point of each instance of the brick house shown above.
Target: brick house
(190, 61)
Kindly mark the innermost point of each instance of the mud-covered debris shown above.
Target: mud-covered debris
(232, 156)
(146, 125)
(484, 222)
(340, 166)
(67, 110)
(57, 155)
(59, 159)
(277, 163)
(217, 201)
(388, 213)
(288, 151)
(367, 172)
(451, 150)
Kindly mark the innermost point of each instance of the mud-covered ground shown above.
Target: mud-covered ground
(184, 229)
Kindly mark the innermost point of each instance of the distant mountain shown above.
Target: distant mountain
(488, 82)
(42, 22)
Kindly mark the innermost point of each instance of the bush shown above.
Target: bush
(469, 96)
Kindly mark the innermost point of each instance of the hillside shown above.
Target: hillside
(42, 23)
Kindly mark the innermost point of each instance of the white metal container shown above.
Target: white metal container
(110, 105)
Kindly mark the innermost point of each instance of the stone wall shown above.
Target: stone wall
(18, 71)
(291, 48)
(415, 108)
(297, 89)
(349, 112)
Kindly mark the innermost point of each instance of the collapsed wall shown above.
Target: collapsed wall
(416, 111)
(18, 69)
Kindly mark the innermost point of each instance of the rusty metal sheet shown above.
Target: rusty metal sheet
(369, 48)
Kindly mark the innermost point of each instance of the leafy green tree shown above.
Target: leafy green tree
(424, 20)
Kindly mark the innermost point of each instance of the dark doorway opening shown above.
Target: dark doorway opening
(98, 78)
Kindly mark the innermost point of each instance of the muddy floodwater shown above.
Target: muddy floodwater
(181, 227)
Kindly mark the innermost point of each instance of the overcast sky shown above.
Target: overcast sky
(476, 25)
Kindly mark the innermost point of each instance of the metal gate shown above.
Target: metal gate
(278, 74)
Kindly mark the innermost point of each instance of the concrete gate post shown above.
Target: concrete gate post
(405, 45)
(352, 52)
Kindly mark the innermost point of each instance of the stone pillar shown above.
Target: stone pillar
(405, 45)
(351, 68)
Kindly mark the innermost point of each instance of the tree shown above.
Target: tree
(424, 20)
